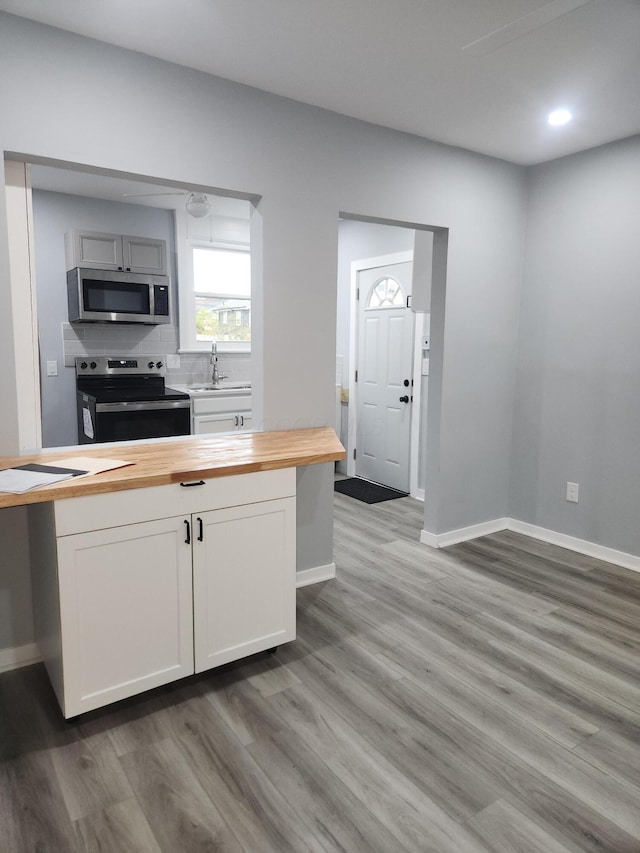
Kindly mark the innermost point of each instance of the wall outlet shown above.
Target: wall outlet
(172, 360)
(572, 492)
(52, 368)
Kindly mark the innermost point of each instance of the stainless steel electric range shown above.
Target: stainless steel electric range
(121, 398)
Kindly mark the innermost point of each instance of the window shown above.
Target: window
(222, 293)
(386, 293)
(213, 261)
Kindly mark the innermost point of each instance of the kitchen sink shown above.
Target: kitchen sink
(210, 388)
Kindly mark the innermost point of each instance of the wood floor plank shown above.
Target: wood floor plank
(584, 645)
(33, 816)
(507, 830)
(561, 812)
(121, 827)
(90, 776)
(393, 729)
(180, 813)
(618, 756)
(416, 650)
(592, 677)
(415, 820)
(598, 790)
(328, 807)
(261, 817)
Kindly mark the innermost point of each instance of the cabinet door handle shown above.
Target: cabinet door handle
(236, 421)
(187, 541)
(200, 530)
(241, 420)
(186, 485)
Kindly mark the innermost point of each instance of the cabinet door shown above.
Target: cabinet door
(144, 255)
(244, 574)
(224, 422)
(245, 420)
(95, 250)
(125, 611)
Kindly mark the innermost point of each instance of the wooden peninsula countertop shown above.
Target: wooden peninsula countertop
(157, 463)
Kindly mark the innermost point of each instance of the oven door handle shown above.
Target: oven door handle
(143, 406)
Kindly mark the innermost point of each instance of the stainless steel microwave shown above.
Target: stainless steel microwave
(111, 296)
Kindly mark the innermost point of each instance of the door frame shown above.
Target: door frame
(357, 267)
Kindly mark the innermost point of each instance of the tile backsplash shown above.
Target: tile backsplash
(116, 339)
(195, 368)
(120, 340)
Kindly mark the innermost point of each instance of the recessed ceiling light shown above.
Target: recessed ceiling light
(558, 117)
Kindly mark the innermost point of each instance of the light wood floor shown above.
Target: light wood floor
(480, 698)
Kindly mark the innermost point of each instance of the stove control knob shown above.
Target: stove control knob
(150, 365)
(93, 365)
(83, 365)
(159, 365)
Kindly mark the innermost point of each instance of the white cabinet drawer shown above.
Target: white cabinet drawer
(98, 512)
(210, 405)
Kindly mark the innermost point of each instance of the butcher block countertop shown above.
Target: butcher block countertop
(157, 463)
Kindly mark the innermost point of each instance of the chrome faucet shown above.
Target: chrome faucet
(213, 360)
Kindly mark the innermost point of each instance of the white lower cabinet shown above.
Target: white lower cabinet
(210, 413)
(129, 607)
(223, 422)
(243, 586)
(125, 610)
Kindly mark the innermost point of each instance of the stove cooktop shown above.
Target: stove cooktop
(132, 394)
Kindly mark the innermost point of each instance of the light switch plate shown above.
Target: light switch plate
(52, 368)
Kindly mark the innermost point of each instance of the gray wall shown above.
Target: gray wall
(145, 117)
(577, 412)
(53, 215)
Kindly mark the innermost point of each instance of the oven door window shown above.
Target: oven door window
(115, 298)
(145, 423)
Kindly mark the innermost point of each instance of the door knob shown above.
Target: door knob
(404, 399)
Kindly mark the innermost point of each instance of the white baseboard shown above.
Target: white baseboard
(316, 574)
(580, 546)
(418, 495)
(13, 658)
(462, 534)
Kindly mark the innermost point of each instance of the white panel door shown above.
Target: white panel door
(384, 393)
(125, 610)
(244, 576)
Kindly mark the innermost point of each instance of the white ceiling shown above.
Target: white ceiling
(481, 74)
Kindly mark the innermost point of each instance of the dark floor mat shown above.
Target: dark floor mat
(363, 490)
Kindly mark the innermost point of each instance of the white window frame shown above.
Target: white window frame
(186, 302)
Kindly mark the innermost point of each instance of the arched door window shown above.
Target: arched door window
(386, 293)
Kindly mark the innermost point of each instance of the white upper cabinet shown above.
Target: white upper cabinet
(93, 250)
(142, 254)
(99, 250)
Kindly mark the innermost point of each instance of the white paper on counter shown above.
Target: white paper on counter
(91, 464)
(17, 481)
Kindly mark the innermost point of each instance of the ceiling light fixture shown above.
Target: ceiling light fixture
(559, 117)
(198, 205)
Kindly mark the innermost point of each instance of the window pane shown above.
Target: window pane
(223, 319)
(222, 271)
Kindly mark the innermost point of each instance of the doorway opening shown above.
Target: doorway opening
(385, 273)
(48, 202)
